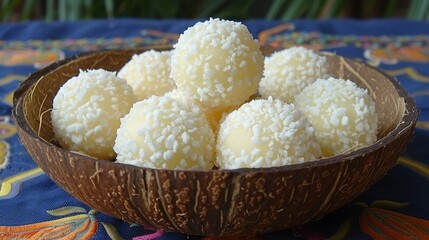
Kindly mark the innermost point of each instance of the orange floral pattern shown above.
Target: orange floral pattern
(385, 224)
(80, 226)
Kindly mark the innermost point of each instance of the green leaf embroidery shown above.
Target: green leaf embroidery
(66, 211)
(344, 229)
(387, 204)
(111, 231)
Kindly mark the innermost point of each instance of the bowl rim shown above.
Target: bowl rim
(408, 120)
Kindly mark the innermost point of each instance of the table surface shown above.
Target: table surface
(397, 206)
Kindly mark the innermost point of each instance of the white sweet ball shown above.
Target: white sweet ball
(342, 114)
(288, 72)
(218, 61)
(265, 133)
(87, 110)
(163, 133)
(148, 73)
(214, 114)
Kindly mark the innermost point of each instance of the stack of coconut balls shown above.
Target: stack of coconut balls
(214, 102)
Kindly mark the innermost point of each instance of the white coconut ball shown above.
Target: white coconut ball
(342, 114)
(288, 72)
(87, 110)
(218, 62)
(148, 73)
(214, 114)
(265, 133)
(163, 133)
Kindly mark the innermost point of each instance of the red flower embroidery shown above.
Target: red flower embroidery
(385, 224)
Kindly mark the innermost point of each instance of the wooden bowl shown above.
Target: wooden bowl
(217, 202)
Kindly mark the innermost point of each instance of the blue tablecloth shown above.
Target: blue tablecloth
(30, 203)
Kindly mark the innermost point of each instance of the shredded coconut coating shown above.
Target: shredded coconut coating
(288, 72)
(148, 73)
(163, 133)
(265, 133)
(214, 114)
(87, 110)
(218, 61)
(342, 114)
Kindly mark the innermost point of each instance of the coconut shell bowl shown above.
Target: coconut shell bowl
(215, 202)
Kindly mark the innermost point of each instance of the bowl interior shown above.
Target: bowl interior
(390, 105)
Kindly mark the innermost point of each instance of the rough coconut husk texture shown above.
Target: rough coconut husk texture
(216, 202)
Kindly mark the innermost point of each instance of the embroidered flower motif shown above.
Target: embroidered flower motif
(385, 224)
(83, 225)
